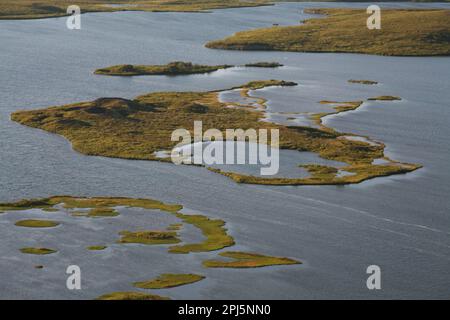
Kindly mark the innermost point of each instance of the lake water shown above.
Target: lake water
(400, 223)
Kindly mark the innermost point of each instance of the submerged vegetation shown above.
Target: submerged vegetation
(403, 33)
(171, 69)
(247, 260)
(169, 280)
(31, 223)
(37, 251)
(137, 129)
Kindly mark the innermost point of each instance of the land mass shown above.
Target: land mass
(170, 69)
(38, 9)
(139, 128)
(403, 33)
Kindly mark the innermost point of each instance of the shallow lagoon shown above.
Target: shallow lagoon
(400, 223)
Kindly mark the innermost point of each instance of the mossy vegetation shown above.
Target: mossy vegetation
(37, 251)
(171, 69)
(36, 9)
(32, 223)
(385, 98)
(169, 280)
(137, 129)
(216, 236)
(97, 248)
(149, 237)
(404, 32)
(131, 296)
(247, 260)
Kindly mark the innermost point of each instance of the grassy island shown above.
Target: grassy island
(37, 251)
(385, 98)
(169, 280)
(368, 82)
(136, 129)
(31, 223)
(36, 9)
(171, 69)
(264, 65)
(404, 32)
(131, 296)
(247, 260)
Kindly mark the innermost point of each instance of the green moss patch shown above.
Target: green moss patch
(130, 296)
(31, 223)
(169, 280)
(247, 260)
(37, 251)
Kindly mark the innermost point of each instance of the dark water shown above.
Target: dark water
(400, 223)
